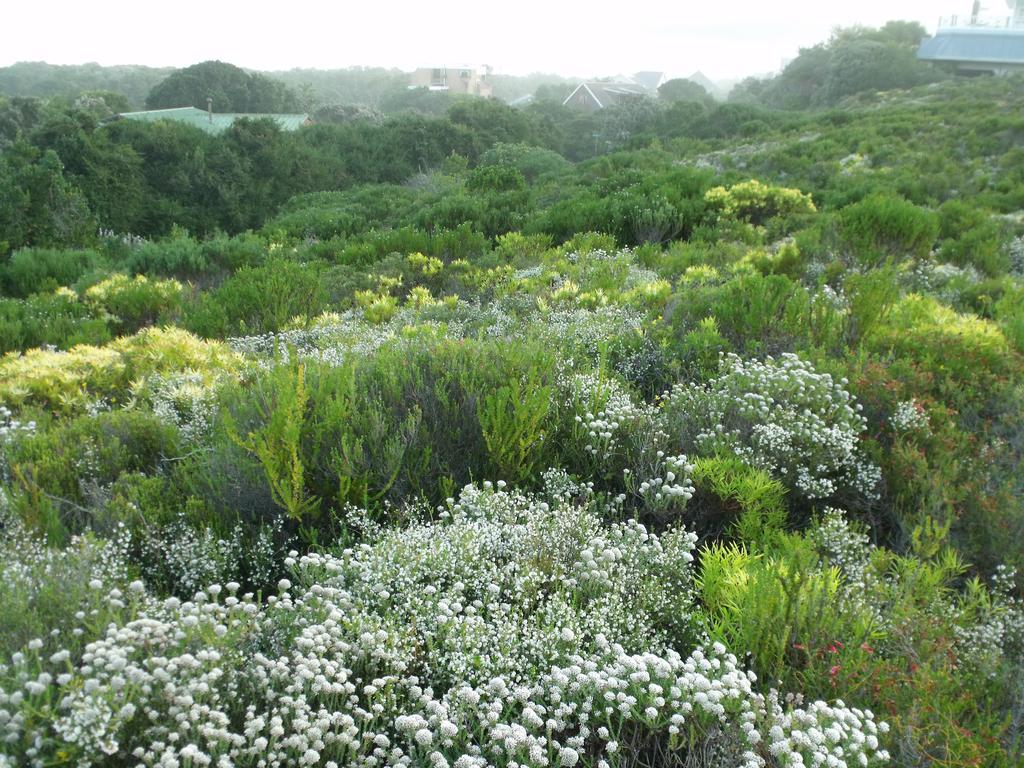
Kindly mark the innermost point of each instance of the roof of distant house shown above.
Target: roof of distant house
(649, 80)
(606, 92)
(218, 122)
(979, 45)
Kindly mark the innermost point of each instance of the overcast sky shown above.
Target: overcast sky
(722, 38)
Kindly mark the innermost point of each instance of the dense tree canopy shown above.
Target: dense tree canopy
(231, 88)
(682, 89)
(853, 61)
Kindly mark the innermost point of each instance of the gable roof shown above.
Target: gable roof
(975, 46)
(650, 80)
(218, 122)
(605, 93)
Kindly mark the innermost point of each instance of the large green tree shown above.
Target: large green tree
(38, 206)
(231, 88)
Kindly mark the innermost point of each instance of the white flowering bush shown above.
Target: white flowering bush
(186, 400)
(780, 415)
(987, 623)
(910, 416)
(513, 632)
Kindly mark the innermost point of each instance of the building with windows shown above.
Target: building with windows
(471, 81)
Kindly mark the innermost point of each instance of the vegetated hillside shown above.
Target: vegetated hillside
(414, 442)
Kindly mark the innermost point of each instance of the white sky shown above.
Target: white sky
(724, 39)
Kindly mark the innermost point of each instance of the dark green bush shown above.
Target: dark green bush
(69, 466)
(259, 300)
(56, 319)
(41, 270)
(882, 226)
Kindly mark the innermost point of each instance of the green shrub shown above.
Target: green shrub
(495, 178)
(756, 203)
(68, 466)
(755, 313)
(968, 357)
(882, 226)
(971, 238)
(733, 497)
(179, 255)
(532, 162)
(135, 303)
(41, 270)
(262, 299)
(57, 319)
(775, 604)
(68, 381)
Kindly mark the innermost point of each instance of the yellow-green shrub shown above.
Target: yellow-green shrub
(755, 202)
(135, 302)
(66, 380)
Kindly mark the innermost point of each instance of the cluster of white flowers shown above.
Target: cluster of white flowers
(849, 549)
(11, 430)
(588, 331)
(515, 632)
(604, 412)
(782, 416)
(186, 400)
(910, 416)
(1015, 250)
(993, 629)
(330, 338)
(669, 484)
(945, 281)
(837, 299)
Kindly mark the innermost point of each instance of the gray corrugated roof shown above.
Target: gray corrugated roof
(983, 46)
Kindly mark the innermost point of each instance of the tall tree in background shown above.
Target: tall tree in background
(38, 206)
(231, 88)
(682, 89)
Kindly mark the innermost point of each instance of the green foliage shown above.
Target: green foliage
(67, 381)
(883, 226)
(277, 442)
(776, 603)
(495, 178)
(133, 303)
(756, 203)
(971, 238)
(733, 497)
(532, 162)
(512, 419)
(38, 206)
(855, 60)
(41, 270)
(66, 470)
(58, 319)
(231, 88)
(752, 312)
(261, 299)
(682, 89)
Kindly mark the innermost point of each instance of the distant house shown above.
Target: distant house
(467, 80)
(213, 122)
(651, 81)
(600, 94)
(977, 43)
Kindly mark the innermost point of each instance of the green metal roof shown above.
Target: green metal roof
(218, 122)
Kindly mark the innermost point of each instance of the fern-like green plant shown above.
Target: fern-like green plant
(512, 419)
(277, 444)
(755, 499)
(772, 605)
